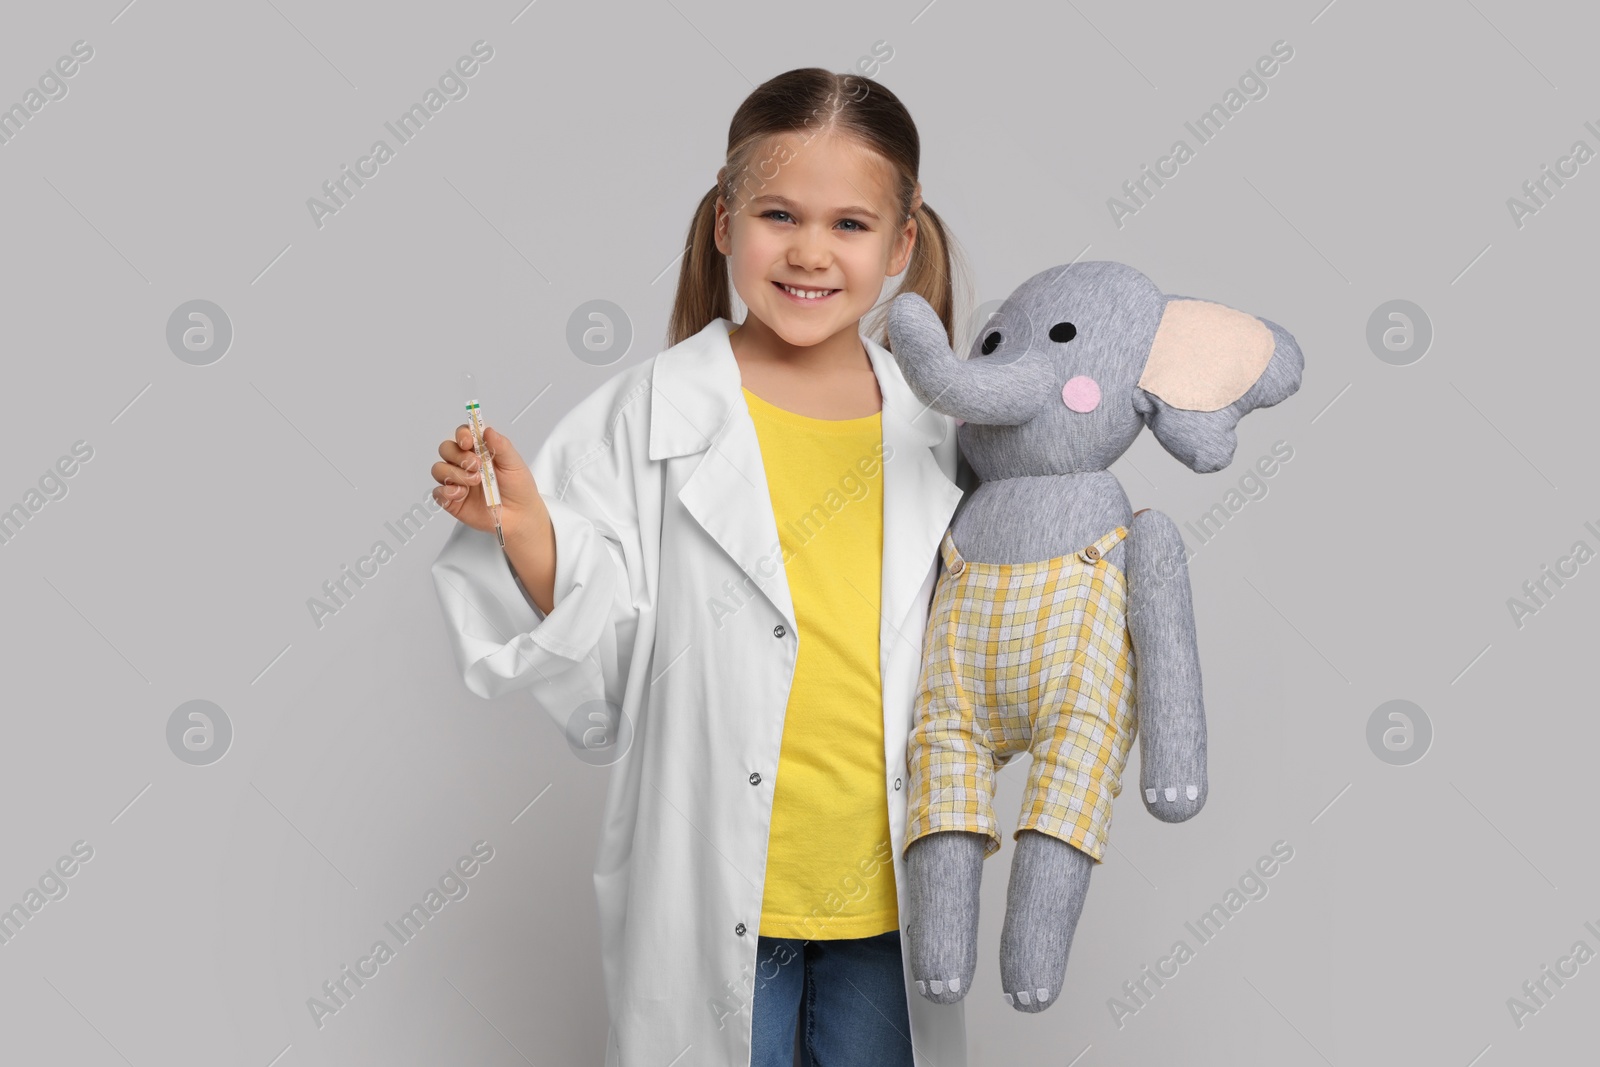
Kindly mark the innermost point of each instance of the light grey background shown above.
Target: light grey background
(219, 498)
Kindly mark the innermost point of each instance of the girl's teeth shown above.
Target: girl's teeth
(806, 294)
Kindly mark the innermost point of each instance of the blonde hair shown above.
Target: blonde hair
(814, 100)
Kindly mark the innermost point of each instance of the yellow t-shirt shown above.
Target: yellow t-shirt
(830, 871)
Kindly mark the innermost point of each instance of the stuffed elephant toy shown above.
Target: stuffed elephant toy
(1062, 623)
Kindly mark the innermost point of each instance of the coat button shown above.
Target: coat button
(739, 929)
(897, 783)
(779, 630)
(755, 777)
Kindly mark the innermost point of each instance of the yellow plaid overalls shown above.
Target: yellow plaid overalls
(1024, 656)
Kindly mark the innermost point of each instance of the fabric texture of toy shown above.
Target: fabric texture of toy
(1062, 623)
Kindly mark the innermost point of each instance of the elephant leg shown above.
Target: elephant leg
(1172, 717)
(945, 870)
(1049, 879)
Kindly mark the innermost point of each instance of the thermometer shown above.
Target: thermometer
(491, 491)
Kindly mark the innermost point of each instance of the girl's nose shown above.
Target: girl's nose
(1081, 393)
(809, 252)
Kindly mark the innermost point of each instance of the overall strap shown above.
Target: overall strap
(1097, 551)
(953, 562)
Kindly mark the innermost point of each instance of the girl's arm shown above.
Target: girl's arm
(577, 648)
(532, 553)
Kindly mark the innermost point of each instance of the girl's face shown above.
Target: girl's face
(820, 217)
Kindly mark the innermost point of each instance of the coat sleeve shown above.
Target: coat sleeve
(579, 653)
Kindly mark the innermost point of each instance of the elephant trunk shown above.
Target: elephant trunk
(988, 391)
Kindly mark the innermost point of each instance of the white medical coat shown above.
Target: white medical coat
(659, 499)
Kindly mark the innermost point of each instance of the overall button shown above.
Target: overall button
(1091, 553)
(957, 567)
(755, 778)
(779, 630)
(739, 929)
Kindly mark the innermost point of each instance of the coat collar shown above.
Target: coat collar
(697, 405)
(696, 387)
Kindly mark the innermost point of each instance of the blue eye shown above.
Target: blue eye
(858, 227)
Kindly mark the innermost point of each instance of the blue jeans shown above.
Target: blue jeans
(845, 997)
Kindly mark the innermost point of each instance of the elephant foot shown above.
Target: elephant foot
(1049, 879)
(1172, 780)
(1175, 803)
(945, 870)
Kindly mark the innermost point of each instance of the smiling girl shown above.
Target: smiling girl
(729, 551)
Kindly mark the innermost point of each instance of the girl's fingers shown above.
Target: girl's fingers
(457, 472)
(452, 452)
(502, 450)
(450, 474)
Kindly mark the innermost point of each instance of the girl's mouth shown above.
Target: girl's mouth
(805, 296)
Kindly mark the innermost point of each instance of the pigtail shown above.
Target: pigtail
(702, 276)
(928, 274)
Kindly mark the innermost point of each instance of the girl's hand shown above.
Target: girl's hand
(460, 490)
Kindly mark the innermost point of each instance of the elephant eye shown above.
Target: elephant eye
(991, 342)
(1063, 331)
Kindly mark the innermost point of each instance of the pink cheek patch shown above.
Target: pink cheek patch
(1081, 393)
(960, 421)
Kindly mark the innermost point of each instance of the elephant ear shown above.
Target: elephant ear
(1209, 366)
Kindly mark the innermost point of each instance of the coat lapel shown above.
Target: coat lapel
(697, 406)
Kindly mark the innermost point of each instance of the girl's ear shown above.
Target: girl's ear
(721, 225)
(905, 242)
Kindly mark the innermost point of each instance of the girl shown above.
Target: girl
(716, 573)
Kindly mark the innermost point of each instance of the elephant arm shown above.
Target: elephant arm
(1172, 720)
